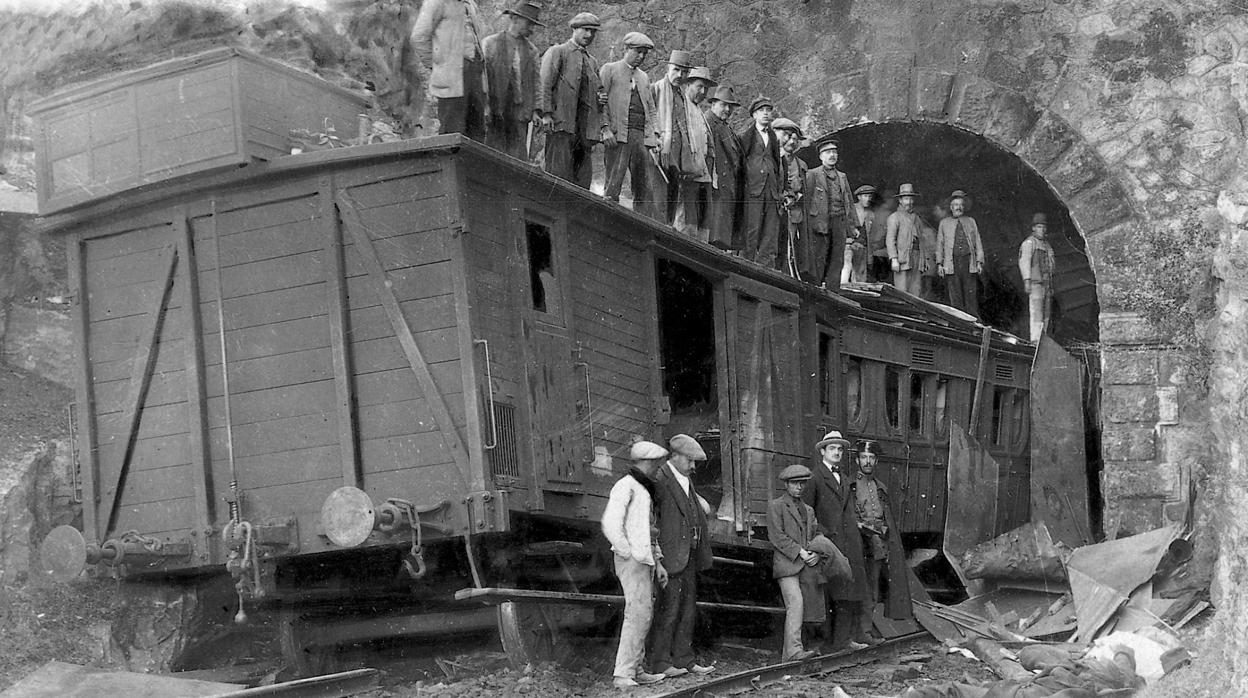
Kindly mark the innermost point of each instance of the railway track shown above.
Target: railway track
(340, 685)
(756, 679)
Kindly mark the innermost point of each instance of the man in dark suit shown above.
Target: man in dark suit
(511, 71)
(830, 495)
(760, 220)
(571, 102)
(686, 549)
(829, 211)
(723, 210)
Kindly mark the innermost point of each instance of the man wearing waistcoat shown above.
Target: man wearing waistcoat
(673, 128)
(829, 211)
(960, 256)
(903, 240)
(632, 115)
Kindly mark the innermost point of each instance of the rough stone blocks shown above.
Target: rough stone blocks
(1100, 207)
(932, 94)
(1077, 169)
(1126, 480)
(1129, 367)
(1048, 139)
(1129, 403)
(1129, 443)
(890, 86)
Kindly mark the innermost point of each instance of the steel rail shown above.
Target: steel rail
(755, 679)
(340, 685)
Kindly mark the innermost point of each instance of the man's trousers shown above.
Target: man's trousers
(672, 638)
(637, 580)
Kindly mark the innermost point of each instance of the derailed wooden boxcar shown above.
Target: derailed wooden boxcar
(468, 346)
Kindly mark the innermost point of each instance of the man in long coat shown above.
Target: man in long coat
(764, 185)
(830, 495)
(723, 212)
(511, 71)
(446, 39)
(684, 538)
(571, 101)
(829, 218)
(633, 120)
(884, 559)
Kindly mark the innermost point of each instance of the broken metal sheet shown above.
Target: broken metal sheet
(1025, 554)
(971, 506)
(63, 680)
(1104, 575)
(1043, 610)
(1059, 478)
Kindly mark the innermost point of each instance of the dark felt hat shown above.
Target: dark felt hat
(527, 9)
(724, 94)
(1040, 219)
(869, 446)
(681, 59)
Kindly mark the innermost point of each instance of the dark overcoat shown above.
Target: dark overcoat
(560, 91)
(763, 171)
(897, 603)
(724, 209)
(510, 100)
(834, 508)
(677, 517)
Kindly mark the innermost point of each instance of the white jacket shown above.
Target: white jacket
(627, 521)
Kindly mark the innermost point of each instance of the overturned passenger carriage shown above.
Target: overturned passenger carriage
(374, 376)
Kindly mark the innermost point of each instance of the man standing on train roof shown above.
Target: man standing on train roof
(673, 128)
(831, 497)
(511, 72)
(960, 255)
(903, 241)
(571, 101)
(627, 522)
(764, 185)
(791, 526)
(696, 171)
(446, 39)
(884, 560)
(723, 211)
(855, 267)
(793, 168)
(684, 538)
(1035, 263)
(829, 216)
(633, 119)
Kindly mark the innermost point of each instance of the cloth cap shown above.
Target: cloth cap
(702, 73)
(760, 102)
(783, 124)
(905, 190)
(832, 437)
(796, 471)
(1039, 219)
(724, 94)
(957, 194)
(687, 446)
(864, 189)
(585, 19)
(829, 143)
(868, 446)
(637, 40)
(646, 450)
(681, 59)
(527, 9)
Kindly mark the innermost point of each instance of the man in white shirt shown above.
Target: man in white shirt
(627, 523)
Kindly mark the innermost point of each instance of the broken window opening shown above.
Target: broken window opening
(918, 403)
(892, 397)
(827, 382)
(942, 401)
(542, 281)
(853, 388)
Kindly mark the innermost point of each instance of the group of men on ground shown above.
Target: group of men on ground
(836, 549)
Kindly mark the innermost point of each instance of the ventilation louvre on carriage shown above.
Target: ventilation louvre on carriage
(504, 457)
(922, 355)
(1004, 372)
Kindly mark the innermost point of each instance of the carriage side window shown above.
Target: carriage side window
(918, 403)
(1018, 413)
(1001, 399)
(542, 281)
(826, 384)
(853, 387)
(942, 402)
(892, 396)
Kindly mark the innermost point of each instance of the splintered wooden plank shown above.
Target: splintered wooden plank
(441, 413)
(139, 378)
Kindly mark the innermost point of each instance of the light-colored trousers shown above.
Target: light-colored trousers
(1038, 304)
(637, 581)
(791, 593)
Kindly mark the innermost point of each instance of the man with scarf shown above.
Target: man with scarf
(696, 171)
(631, 113)
(884, 560)
(723, 210)
(511, 71)
(628, 522)
(669, 101)
(571, 101)
(1035, 263)
(960, 256)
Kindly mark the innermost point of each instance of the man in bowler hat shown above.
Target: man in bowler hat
(571, 101)
(764, 185)
(511, 70)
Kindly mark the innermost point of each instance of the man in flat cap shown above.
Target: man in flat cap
(627, 522)
(446, 39)
(791, 526)
(673, 127)
(684, 538)
(723, 212)
(511, 71)
(1035, 263)
(884, 559)
(829, 207)
(960, 255)
(764, 185)
(904, 240)
(832, 499)
(571, 102)
(856, 252)
(696, 172)
(633, 119)
(793, 169)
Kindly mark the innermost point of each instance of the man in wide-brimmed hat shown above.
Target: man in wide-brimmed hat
(724, 210)
(571, 101)
(634, 121)
(829, 211)
(763, 186)
(884, 560)
(960, 255)
(791, 527)
(830, 495)
(904, 239)
(446, 39)
(673, 128)
(1035, 263)
(511, 69)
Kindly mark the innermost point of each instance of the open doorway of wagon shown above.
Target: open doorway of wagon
(1003, 193)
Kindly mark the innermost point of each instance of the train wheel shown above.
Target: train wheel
(527, 633)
